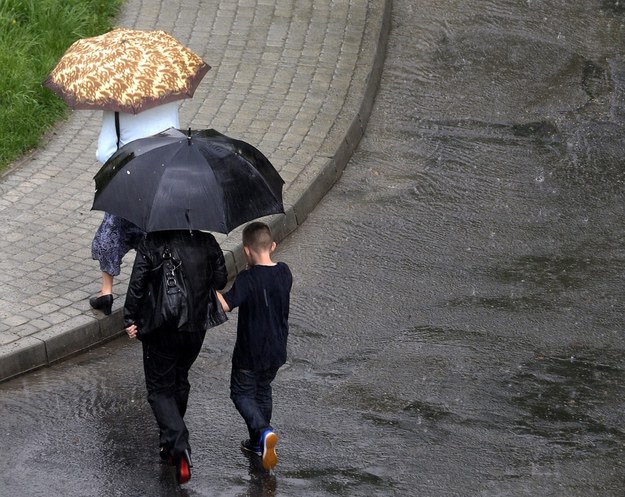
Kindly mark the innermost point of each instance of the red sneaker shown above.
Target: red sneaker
(183, 468)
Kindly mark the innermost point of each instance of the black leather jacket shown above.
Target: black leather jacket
(204, 271)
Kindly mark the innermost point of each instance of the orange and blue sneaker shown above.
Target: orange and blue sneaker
(268, 442)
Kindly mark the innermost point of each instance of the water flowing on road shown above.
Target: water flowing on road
(457, 313)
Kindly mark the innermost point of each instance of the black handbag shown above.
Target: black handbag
(168, 291)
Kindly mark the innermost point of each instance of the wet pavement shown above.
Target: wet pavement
(457, 315)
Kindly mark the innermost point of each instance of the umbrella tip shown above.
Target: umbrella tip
(189, 136)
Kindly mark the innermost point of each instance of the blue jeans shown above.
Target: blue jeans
(251, 393)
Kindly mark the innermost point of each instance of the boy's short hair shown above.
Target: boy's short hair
(257, 236)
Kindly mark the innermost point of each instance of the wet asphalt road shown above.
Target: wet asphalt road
(457, 315)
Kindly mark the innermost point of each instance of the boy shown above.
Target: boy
(261, 293)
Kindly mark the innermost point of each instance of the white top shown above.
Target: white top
(134, 126)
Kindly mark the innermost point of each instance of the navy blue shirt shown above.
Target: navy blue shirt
(262, 295)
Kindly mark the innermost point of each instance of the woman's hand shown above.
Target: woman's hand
(132, 331)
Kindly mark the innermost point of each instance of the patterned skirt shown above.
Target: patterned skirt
(113, 240)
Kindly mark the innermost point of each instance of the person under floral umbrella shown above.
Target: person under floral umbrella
(116, 236)
(137, 78)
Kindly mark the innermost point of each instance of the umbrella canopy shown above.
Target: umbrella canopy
(197, 180)
(126, 70)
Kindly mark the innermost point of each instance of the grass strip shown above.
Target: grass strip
(34, 34)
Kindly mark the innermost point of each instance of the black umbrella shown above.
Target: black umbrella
(197, 180)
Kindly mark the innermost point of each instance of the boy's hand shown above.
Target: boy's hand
(222, 301)
(132, 331)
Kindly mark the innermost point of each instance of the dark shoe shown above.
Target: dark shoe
(248, 446)
(268, 443)
(166, 456)
(103, 303)
(183, 467)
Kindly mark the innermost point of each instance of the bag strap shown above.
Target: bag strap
(167, 255)
(117, 127)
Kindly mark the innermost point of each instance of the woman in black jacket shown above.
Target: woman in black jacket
(170, 303)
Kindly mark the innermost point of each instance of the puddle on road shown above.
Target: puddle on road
(571, 400)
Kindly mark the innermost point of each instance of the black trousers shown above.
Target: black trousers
(167, 359)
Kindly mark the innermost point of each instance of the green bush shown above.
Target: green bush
(34, 34)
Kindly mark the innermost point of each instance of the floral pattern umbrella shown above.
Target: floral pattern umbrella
(126, 70)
